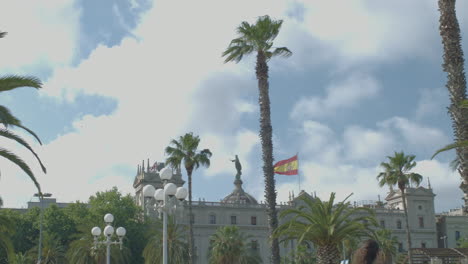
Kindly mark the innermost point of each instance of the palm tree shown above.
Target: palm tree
(456, 84)
(259, 38)
(21, 258)
(325, 224)
(8, 83)
(228, 246)
(53, 252)
(6, 232)
(397, 172)
(185, 151)
(177, 247)
(387, 244)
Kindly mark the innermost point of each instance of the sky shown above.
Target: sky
(122, 78)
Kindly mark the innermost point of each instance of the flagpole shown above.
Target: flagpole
(298, 175)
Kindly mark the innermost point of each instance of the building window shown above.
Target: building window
(192, 218)
(423, 244)
(382, 223)
(420, 207)
(457, 235)
(233, 220)
(400, 247)
(421, 222)
(253, 220)
(212, 219)
(398, 224)
(254, 244)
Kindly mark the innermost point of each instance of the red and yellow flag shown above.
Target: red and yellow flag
(287, 167)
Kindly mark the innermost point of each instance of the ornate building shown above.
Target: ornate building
(428, 230)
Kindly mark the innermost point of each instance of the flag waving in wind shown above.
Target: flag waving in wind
(287, 167)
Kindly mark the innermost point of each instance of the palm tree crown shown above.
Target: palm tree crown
(228, 245)
(256, 38)
(397, 171)
(325, 224)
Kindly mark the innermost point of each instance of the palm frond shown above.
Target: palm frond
(14, 81)
(20, 163)
(6, 133)
(461, 144)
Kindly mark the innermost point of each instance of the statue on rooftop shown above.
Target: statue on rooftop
(238, 167)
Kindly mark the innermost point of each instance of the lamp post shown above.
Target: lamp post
(108, 232)
(166, 201)
(41, 199)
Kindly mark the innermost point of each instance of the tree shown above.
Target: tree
(177, 246)
(387, 244)
(8, 83)
(456, 84)
(186, 151)
(21, 258)
(325, 224)
(259, 38)
(53, 251)
(6, 232)
(397, 172)
(228, 246)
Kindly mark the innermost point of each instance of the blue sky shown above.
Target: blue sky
(122, 78)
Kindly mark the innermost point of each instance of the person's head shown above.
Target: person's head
(368, 253)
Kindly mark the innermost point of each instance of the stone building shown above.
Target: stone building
(242, 209)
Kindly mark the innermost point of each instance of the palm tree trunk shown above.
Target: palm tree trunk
(328, 254)
(456, 84)
(267, 152)
(408, 236)
(190, 240)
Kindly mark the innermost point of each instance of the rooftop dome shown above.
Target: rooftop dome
(239, 196)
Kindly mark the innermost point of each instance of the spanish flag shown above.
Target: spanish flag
(287, 167)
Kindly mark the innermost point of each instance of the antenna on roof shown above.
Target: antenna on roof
(429, 183)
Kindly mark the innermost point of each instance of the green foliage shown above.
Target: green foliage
(6, 232)
(397, 171)
(176, 238)
(185, 151)
(53, 251)
(8, 83)
(388, 243)
(324, 222)
(300, 255)
(228, 246)
(258, 37)
(21, 258)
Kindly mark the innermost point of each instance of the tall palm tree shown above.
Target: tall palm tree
(185, 151)
(53, 252)
(177, 247)
(229, 246)
(325, 224)
(456, 84)
(259, 38)
(387, 244)
(397, 172)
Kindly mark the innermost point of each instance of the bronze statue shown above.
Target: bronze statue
(238, 167)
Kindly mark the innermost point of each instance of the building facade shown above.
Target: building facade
(241, 209)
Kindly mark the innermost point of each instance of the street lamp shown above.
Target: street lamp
(41, 198)
(166, 200)
(108, 232)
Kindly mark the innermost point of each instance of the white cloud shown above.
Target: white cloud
(430, 102)
(40, 34)
(339, 95)
(367, 144)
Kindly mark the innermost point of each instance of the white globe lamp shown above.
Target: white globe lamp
(181, 193)
(148, 191)
(170, 189)
(159, 195)
(165, 173)
(96, 231)
(109, 230)
(108, 218)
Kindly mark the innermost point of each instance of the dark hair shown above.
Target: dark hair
(367, 253)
